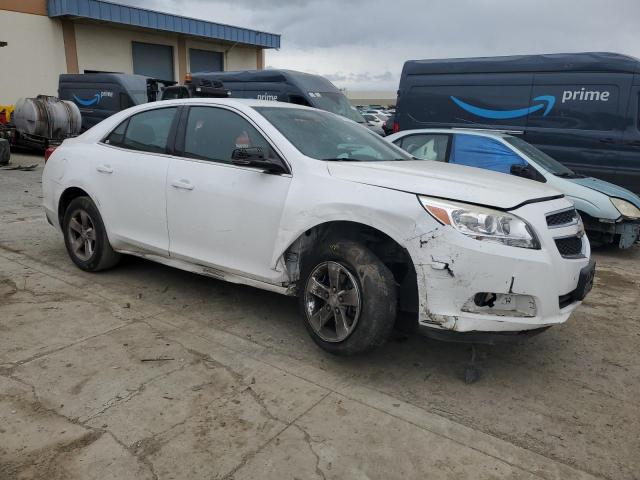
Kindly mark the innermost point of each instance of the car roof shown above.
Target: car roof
(238, 102)
(464, 131)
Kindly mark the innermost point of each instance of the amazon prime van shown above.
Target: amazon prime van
(582, 108)
(100, 95)
(283, 86)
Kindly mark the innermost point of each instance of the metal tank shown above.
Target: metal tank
(47, 117)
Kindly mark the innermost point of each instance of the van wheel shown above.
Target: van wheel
(86, 238)
(348, 298)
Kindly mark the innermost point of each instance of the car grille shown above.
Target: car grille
(566, 217)
(569, 246)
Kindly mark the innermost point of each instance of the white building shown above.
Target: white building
(45, 38)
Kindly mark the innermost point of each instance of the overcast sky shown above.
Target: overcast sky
(362, 44)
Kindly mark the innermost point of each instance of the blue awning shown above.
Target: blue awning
(143, 18)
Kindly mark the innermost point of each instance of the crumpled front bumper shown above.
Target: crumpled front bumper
(535, 288)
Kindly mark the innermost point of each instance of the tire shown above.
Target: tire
(95, 253)
(360, 319)
(5, 152)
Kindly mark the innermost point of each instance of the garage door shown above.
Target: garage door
(153, 60)
(204, 61)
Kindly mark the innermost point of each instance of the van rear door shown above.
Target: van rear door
(583, 128)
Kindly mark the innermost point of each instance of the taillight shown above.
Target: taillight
(48, 152)
(396, 127)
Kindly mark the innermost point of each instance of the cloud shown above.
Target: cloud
(363, 44)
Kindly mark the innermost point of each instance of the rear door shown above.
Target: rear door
(583, 128)
(129, 176)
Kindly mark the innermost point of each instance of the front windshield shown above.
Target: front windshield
(324, 136)
(541, 158)
(336, 102)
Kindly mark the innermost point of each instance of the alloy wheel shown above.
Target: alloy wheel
(82, 235)
(332, 301)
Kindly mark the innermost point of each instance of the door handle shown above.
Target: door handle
(606, 140)
(182, 184)
(104, 168)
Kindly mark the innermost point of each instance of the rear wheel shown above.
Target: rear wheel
(348, 298)
(86, 238)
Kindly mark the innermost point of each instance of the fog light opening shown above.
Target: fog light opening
(485, 299)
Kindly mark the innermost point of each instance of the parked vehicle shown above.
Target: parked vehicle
(301, 201)
(388, 125)
(281, 86)
(382, 114)
(373, 120)
(100, 95)
(580, 108)
(611, 214)
(39, 122)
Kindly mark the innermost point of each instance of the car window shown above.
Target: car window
(116, 137)
(148, 131)
(484, 152)
(325, 136)
(427, 146)
(214, 133)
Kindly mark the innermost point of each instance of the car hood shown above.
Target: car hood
(443, 180)
(608, 189)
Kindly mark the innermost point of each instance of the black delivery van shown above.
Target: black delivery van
(580, 108)
(283, 86)
(100, 95)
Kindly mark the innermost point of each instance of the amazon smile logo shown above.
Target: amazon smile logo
(543, 101)
(87, 102)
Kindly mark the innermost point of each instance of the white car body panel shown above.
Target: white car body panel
(237, 223)
(134, 175)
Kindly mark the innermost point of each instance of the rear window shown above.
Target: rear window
(145, 131)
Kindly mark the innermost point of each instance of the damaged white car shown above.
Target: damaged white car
(303, 202)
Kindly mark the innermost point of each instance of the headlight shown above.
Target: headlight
(482, 223)
(626, 209)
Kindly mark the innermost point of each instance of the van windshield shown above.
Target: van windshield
(541, 158)
(336, 102)
(324, 136)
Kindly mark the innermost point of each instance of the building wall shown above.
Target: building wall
(108, 48)
(35, 54)
(33, 57)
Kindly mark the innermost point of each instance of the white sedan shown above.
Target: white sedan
(303, 202)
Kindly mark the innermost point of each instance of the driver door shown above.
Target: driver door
(219, 214)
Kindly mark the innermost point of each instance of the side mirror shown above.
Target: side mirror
(255, 157)
(524, 171)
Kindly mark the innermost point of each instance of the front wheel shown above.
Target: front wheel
(348, 298)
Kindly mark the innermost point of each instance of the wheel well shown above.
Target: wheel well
(390, 252)
(66, 198)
